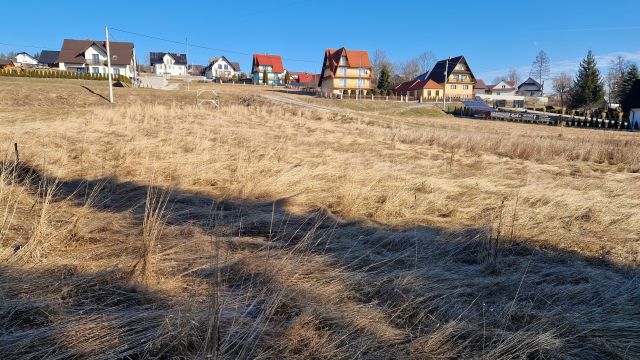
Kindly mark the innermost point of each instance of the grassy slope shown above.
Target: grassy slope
(311, 234)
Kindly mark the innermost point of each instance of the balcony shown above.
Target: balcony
(96, 62)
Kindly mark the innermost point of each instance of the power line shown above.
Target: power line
(28, 46)
(199, 46)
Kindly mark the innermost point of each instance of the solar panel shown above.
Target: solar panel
(478, 105)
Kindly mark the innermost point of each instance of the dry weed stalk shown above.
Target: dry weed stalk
(154, 221)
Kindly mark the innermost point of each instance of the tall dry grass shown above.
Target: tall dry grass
(273, 232)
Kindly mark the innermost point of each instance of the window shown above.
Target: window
(363, 72)
(465, 87)
(220, 66)
(116, 70)
(343, 60)
(95, 70)
(226, 67)
(342, 71)
(459, 67)
(343, 82)
(504, 86)
(453, 86)
(437, 93)
(95, 58)
(361, 82)
(428, 93)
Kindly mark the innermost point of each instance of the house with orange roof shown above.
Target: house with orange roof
(345, 72)
(427, 90)
(271, 65)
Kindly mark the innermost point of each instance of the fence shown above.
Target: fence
(57, 74)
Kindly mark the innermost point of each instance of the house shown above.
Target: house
(530, 87)
(168, 64)
(304, 80)
(345, 71)
(272, 64)
(507, 88)
(24, 60)
(632, 102)
(91, 56)
(7, 64)
(502, 94)
(222, 68)
(457, 84)
(196, 70)
(48, 58)
(480, 88)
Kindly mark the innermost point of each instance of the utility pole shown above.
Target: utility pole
(106, 31)
(187, 77)
(444, 91)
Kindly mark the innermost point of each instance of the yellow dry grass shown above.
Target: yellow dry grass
(156, 228)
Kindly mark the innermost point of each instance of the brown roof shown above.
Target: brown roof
(6, 62)
(480, 84)
(355, 58)
(73, 51)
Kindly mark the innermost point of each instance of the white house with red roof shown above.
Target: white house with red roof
(269, 64)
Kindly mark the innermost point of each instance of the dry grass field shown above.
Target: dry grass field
(155, 229)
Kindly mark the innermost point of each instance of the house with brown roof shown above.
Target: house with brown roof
(91, 56)
(269, 64)
(168, 64)
(7, 64)
(425, 90)
(345, 72)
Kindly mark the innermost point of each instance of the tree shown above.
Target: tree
(287, 77)
(630, 77)
(380, 60)
(426, 61)
(265, 76)
(514, 76)
(383, 80)
(562, 85)
(409, 70)
(541, 67)
(588, 88)
(617, 69)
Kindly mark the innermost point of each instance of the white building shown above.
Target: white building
(221, 68)
(633, 102)
(168, 64)
(91, 56)
(24, 60)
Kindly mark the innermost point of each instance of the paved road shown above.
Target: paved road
(154, 82)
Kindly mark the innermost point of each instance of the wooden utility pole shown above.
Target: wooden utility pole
(106, 31)
(444, 91)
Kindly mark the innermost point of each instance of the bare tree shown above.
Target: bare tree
(408, 70)
(380, 59)
(514, 76)
(541, 67)
(426, 60)
(615, 76)
(562, 85)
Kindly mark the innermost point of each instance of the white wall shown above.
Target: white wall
(126, 70)
(25, 59)
(214, 71)
(169, 67)
(634, 118)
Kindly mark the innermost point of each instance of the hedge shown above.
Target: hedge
(50, 74)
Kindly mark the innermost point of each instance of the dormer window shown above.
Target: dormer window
(504, 86)
(114, 57)
(343, 60)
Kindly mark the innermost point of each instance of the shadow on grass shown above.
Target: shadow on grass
(429, 281)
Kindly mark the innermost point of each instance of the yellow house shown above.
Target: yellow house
(345, 72)
(459, 79)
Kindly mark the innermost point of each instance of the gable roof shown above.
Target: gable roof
(6, 62)
(355, 58)
(73, 51)
(632, 100)
(234, 65)
(425, 84)
(511, 84)
(158, 58)
(24, 53)
(480, 85)
(275, 61)
(530, 81)
(48, 57)
(437, 73)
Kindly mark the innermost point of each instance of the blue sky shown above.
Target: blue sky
(493, 35)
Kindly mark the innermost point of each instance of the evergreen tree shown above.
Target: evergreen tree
(287, 78)
(265, 76)
(383, 80)
(588, 86)
(631, 75)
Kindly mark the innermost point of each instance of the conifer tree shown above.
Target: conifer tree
(383, 80)
(265, 76)
(630, 77)
(588, 88)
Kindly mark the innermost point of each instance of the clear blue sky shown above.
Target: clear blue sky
(493, 35)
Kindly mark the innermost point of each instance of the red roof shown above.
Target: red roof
(308, 78)
(275, 61)
(355, 59)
